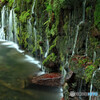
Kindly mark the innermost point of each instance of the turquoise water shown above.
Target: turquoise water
(14, 71)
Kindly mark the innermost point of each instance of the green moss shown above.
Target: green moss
(28, 1)
(88, 72)
(97, 15)
(65, 27)
(24, 16)
(54, 43)
(10, 3)
(51, 57)
(2, 0)
(94, 42)
(88, 9)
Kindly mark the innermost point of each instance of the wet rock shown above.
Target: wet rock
(69, 75)
(51, 79)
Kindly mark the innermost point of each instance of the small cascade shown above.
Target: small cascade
(47, 48)
(77, 29)
(86, 46)
(91, 86)
(2, 33)
(10, 25)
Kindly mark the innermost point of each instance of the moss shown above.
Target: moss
(88, 72)
(94, 42)
(51, 57)
(65, 27)
(10, 3)
(54, 43)
(97, 15)
(24, 16)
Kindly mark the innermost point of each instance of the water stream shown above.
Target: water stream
(77, 29)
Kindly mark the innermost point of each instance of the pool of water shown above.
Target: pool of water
(15, 68)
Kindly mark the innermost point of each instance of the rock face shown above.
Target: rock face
(51, 79)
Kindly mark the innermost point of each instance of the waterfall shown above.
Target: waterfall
(8, 22)
(15, 27)
(7, 19)
(2, 33)
(91, 87)
(77, 29)
(47, 49)
(10, 25)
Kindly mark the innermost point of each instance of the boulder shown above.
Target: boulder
(51, 79)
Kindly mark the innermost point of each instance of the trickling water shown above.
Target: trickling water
(47, 49)
(91, 87)
(29, 27)
(34, 28)
(84, 3)
(2, 33)
(77, 30)
(29, 30)
(10, 25)
(65, 66)
(35, 35)
(33, 6)
(94, 56)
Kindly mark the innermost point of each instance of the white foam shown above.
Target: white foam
(33, 60)
(10, 44)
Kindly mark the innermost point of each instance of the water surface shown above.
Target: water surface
(15, 68)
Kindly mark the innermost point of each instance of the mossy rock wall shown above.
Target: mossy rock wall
(57, 20)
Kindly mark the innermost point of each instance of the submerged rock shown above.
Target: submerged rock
(51, 79)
